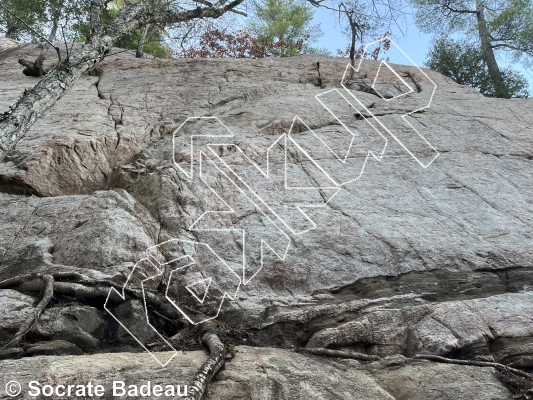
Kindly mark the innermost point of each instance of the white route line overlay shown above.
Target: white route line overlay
(123, 297)
(231, 210)
(337, 185)
(403, 116)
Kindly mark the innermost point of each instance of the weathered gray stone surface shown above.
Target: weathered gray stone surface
(53, 348)
(15, 307)
(415, 380)
(88, 233)
(259, 373)
(405, 260)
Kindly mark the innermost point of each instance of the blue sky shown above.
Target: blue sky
(413, 42)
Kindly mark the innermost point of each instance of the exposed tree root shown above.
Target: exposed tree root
(16, 280)
(211, 366)
(83, 287)
(36, 282)
(74, 276)
(341, 353)
(30, 321)
(474, 363)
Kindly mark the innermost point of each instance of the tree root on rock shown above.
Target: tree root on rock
(30, 321)
(33, 68)
(83, 287)
(341, 353)
(36, 282)
(17, 280)
(210, 367)
(474, 363)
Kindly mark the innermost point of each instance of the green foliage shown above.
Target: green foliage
(509, 23)
(434, 16)
(513, 26)
(31, 20)
(464, 63)
(32, 12)
(286, 21)
(153, 39)
(152, 43)
(500, 26)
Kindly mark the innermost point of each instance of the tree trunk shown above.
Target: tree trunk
(488, 53)
(352, 48)
(35, 102)
(142, 39)
(210, 367)
(51, 37)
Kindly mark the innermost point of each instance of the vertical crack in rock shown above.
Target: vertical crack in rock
(116, 112)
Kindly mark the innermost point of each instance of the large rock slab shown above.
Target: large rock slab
(408, 258)
(70, 151)
(419, 380)
(102, 234)
(468, 211)
(265, 373)
(495, 328)
(15, 307)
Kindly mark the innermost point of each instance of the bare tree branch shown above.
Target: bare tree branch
(460, 11)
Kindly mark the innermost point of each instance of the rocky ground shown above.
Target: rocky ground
(405, 260)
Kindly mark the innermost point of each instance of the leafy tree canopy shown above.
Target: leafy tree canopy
(509, 23)
(499, 25)
(153, 39)
(32, 12)
(288, 22)
(464, 63)
(512, 30)
(31, 20)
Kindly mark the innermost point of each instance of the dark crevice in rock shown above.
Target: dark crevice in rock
(316, 67)
(519, 387)
(97, 71)
(14, 187)
(446, 285)
(411, 76)
(526, 156)
(294, 326)
(116, 111)
(362, 85)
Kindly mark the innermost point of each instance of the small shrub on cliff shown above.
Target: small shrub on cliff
(220, 42)
(373, 55)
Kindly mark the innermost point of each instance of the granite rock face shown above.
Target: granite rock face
(264, 373)
(409, 254)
